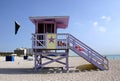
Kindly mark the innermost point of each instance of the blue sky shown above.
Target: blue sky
(94, 22)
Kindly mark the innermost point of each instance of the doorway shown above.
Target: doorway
(44, 28)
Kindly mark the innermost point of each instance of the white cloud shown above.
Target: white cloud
(100, 25)
(102, 29)
(95, 23)
(106, 18)
(103, 17)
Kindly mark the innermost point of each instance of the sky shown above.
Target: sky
(94, 22)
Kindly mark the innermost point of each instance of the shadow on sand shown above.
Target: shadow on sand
(46, 70)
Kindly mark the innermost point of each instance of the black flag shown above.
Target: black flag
(17, 26)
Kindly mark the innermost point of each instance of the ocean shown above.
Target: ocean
(109, 56)
(113, 56)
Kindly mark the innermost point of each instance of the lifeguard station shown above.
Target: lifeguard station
(47, 42)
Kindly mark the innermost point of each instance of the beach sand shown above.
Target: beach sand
(22, 70)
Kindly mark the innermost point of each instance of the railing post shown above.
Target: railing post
(35, 61)
(68, 42)
(89, 55)
(67, 63)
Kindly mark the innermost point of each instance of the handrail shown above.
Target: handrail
(72, 38)
(85, 46)
(69, 40)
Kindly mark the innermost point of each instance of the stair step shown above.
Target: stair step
(80, 48)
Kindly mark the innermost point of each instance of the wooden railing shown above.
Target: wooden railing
(67, 41)
(39, 41)
(87, 52)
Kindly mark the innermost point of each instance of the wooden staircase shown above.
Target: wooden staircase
(88, 53)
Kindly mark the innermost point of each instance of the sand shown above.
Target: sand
(22, 70)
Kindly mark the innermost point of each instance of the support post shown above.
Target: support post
(35, 62)
(40, 59)
(67, 63)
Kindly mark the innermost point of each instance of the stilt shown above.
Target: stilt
(39, 64)
(46, 41)
(67, 63)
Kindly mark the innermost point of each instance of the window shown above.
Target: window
(46, 28)
(49, 28)
(40, 28)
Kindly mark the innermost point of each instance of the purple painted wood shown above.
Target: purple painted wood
(87, 58)
(53, 59)
(84, 45)
(39, 56)
(35, 62)
(70, 43)
(91, 56)
(67, 60)
(61, 21)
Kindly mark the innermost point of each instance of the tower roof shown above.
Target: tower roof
(61, 21)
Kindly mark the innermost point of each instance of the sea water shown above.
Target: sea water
(113, 56)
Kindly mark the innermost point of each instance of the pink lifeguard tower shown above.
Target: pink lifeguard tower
(47, 42)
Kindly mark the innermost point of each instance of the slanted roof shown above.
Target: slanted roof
(61, 21)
